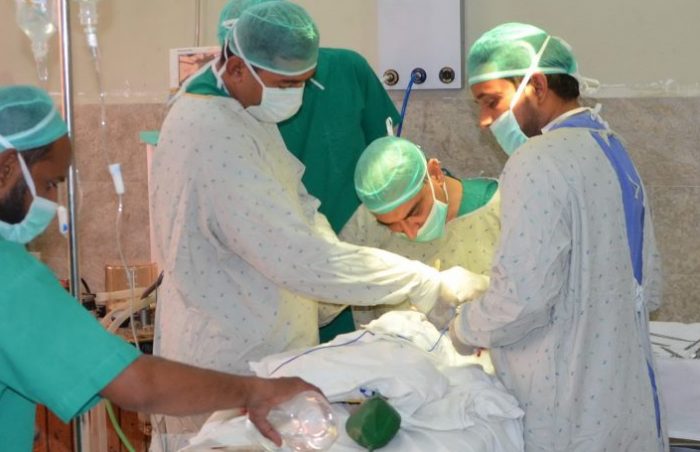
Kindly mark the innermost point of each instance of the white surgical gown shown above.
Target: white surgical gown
(243, 248)
(245, 251)
(559, 315)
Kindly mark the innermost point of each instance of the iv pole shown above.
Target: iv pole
(67, 107)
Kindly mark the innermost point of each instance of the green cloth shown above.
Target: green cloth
(334, 126)
(52, 351)
(205, 84)
(476, 193)
(341, 324)
(374, 424)
(328, 135)
(149, 136)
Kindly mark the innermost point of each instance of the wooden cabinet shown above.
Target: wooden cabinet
(55, 436)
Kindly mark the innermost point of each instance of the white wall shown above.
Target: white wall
(633, 47)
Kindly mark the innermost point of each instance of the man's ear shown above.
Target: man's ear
(539, 85)
(9, 168)
(435, 171)
(235, 68)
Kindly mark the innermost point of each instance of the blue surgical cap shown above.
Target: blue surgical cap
(277, 36)
(389, 172)
(28, 118)
(231, 11)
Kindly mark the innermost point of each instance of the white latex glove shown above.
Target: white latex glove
(458, 285)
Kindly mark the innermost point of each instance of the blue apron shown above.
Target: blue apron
(633, 202)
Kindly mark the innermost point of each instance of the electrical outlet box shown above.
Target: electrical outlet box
(420, 35)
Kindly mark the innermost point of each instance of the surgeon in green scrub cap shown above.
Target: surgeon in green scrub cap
(514, 52)
(434, 217)
(344, 109)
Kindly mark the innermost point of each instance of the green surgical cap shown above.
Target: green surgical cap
(507, 51)
(278, 36)
(231, 11)
(389, 172)
(28, 118)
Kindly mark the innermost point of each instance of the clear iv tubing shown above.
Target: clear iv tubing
(351, 341)
(406, 95)
(115, 172)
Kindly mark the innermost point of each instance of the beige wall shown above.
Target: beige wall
(620, 42)
(633, 47)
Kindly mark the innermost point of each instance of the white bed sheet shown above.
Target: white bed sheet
(678, 377)
(446, 402)
(222, 430)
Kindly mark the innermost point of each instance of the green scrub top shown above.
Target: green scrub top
(52, 351)
(206, 84)
(333, 128)
(476, 193)
(328, 135)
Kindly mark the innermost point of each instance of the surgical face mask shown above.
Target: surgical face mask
(506, 128)
(507, 132)
(434, 226)
(41, 212)
(277, 104)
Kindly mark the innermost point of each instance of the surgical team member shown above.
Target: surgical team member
(434, 217)
(244, 250)
(577, 270)
(52, 351)
(344, 108)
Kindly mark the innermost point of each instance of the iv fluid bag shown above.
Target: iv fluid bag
(36, 19)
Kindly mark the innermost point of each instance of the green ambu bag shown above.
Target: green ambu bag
(374, 424)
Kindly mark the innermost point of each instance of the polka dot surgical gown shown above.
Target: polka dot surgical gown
(244, 251)
(559, 316)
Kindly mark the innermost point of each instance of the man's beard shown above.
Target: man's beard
(12, 206)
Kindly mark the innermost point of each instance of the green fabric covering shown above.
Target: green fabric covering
(205, 84)
(343, 323)
(374, 424)
(476, 193)
(149, 136)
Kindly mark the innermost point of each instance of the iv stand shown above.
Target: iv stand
(67, 107)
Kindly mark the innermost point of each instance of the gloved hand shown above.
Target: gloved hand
(460, 347)
(458, 285)
(442, 314)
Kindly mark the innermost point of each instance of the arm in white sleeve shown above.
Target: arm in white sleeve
(262, 213)
(531, 264)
